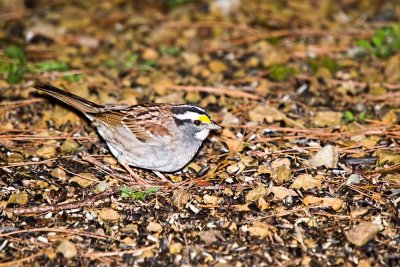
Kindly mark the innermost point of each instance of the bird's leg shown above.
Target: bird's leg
(134, 175)
(162, 177)
(86, 157)
(121, 159)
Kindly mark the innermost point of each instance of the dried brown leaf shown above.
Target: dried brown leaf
(327, 156)
(360, 234)
(281, 192)
(256, 193)
(108, 214)
(67, 249)
(306, 181)
(261, 230)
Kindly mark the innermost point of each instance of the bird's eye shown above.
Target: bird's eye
(197, 122)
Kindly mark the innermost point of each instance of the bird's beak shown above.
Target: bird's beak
(213, 126)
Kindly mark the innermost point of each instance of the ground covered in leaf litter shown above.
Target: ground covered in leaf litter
(304, 172)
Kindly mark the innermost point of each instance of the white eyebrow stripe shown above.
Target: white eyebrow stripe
(188, 115)
(199, 109)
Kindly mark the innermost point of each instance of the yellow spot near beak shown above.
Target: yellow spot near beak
(204, 118)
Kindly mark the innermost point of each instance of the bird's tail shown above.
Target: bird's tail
(75, 101)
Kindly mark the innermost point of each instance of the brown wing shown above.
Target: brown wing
(153, 119)
(111, 118)
(117, 118)
(137, 129)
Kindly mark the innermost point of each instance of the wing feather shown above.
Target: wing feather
(142, 120)
(139, 131)
(118, 118)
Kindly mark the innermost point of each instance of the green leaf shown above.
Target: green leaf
(330, 64)
(16, 70)
(15, 73)
(148, 65)
(378, 40)
(127, 192)
(313, 66)
(111, 63)
(171, 51)
(47, 66)
(131, 61)
(4, 67)
(364, 44)
(348, 116)
(280, 72)
(15, 52)
(132, 58)
(171, 4)
(362, 116)
(383, 43)
(73, 77)
(325, 62)
(274, 40)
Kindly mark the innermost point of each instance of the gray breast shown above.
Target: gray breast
(157, 154)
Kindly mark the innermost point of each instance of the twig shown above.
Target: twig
(357, 84)
(54, 74)
(30, 130)
(389, 170)
(317, 51)
(118, 253)
(285, 213)
(390, 97)
(325, 132)
(19, 103)
(32, 137)
(55, 208)
(213, 90)
(20, 261)
(61, 230)
(19, 164)
(209, 24)
(86, 157)
(78, 175)
(280, 34)
(360, 161)
(335, 216)
(15, 14)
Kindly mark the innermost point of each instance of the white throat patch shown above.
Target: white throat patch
(202, 135)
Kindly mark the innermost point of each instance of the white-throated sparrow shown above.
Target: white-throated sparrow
(157, 137)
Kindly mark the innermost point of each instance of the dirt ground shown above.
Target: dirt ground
(305, 170)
